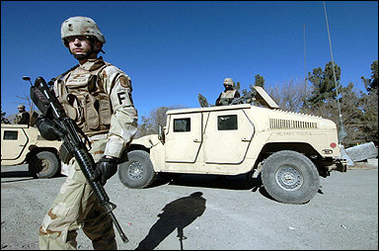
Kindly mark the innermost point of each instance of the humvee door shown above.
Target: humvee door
(184, 137)
(14, 141)
(228, 135)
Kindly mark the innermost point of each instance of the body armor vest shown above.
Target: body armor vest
(18, 118)
(82, 96)
(227, 97)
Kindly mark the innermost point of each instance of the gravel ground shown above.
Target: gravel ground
(215, 213)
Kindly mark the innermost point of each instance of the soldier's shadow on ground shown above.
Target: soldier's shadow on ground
(23, 175)
(176, 215)
(15, 174)
(236, 182)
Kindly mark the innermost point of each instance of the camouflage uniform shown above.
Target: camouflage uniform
(74, 208)
(76, 205)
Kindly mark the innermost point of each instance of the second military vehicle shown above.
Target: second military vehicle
(24, 144)
(289, 150)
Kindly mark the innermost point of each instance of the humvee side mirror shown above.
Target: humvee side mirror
(161, 135)
(26, 78)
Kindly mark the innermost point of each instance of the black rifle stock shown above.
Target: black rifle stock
(67, 129)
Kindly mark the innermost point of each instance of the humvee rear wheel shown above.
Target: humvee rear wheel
(290, 177)
(44, 164)
(138, 171)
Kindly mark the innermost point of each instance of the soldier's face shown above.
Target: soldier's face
(79, 45)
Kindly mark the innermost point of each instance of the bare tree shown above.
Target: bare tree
(290, 95)
(28, 101)
(157, 117)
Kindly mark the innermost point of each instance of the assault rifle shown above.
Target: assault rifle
(247, 97)
(68, 131)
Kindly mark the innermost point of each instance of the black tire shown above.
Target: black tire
(44, 164)
(138, 171)
(290, 177)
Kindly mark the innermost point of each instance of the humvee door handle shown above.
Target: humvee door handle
(197, 140)
(245, 139)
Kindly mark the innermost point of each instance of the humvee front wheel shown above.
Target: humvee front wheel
(290, 177)
(44, 164)
(138, 171)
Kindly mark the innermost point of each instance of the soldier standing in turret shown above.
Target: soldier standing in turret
(97, 96)
(227, 96)
(23, 117)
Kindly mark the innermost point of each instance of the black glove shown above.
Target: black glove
(105, 168)
(47, 128)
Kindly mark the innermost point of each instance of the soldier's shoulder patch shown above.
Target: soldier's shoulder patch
(124, 81)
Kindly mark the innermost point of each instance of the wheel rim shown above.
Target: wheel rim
(289, 178)
(135, 171)
(44, 165)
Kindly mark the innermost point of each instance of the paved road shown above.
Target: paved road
(214, 213)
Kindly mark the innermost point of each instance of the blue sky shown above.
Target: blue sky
(174, 50)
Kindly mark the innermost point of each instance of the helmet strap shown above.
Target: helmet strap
(85, 56)
(82, 56)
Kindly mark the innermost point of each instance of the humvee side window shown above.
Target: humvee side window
(182, 125)
(10, 135)
(228, 122)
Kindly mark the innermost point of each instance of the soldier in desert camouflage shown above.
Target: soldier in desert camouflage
(97, 96)
(227, 96)
(23, 117)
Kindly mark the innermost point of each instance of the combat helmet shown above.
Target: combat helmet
(80, 26)
(21, 107)
(228, 81)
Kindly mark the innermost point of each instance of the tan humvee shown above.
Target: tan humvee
(290, 150)
(24, 144)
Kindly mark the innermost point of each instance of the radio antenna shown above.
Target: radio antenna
(342, 133)
(305, 58)
(305, 68)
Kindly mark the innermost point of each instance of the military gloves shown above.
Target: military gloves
(105, 169)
